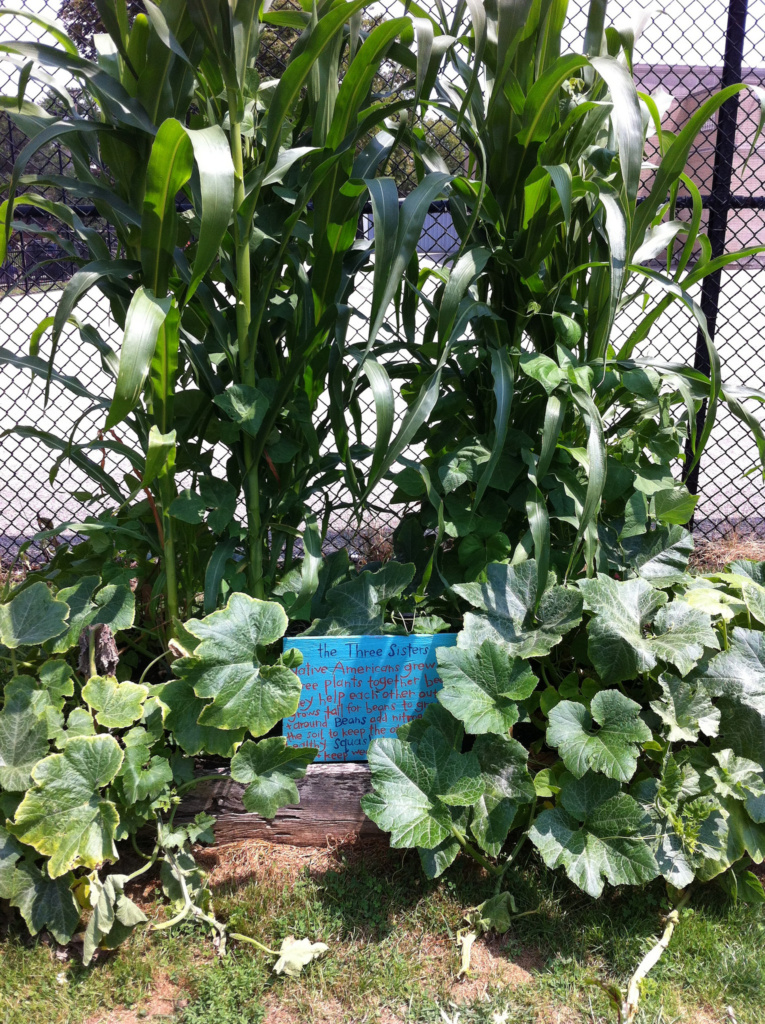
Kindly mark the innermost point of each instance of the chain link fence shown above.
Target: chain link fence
(690, 49)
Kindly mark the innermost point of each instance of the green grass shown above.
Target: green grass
(392, 955)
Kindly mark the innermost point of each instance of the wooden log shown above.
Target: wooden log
(329, 809)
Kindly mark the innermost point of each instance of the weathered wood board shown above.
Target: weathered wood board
(329, 809)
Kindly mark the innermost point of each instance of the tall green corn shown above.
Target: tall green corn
(235, 201)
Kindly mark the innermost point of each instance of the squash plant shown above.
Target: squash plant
(99, 746)
(91, 759)
(235, 202)
(617, 725)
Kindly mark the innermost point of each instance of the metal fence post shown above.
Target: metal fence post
(719, 202)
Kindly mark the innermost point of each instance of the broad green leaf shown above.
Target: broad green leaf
(144, 776)
(246, 406)
(627, 120)
(632, 627)
(23, 743)
(145, 317)
(748, 578)
(507, 602)
(65, 817)
(113, 605)
(226, 666)
(269, 769)
(416, 784)
(745, 836)
(216, 495)
(160, 455)
(356, 608)
(436, 861)
(31, 617)
(169, 168)
(45, 902)
(117, 705)
(672, 857)
(437, 717)
(56, 677)
(79, 723)
(685, 710)
(23, 694)
(495, 914)
(182, 721)
(542, 369)
(737, 678)
(715, 602)
(754, 571)
(674, 506)
(681, 633)
(713, 851)
(739, 672)
(507, 786)
(212, 156)
(735, 777)
(612, 748)
(11, 851)
(481, 687)
(660, 556)
(595, 833)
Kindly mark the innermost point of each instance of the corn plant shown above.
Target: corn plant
(235, 201)
(545, 432)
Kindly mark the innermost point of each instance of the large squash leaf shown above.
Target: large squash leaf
(596, 834)
(482, 687)
(182, 720)
(686, 710)
(33, 616)
(113, 606)
(116, 705)
(669, 847)
(507, 785)
(23, 743)
(506, 603)
(45, 902)
(416, 785)
(11, 851)
(661, 555)
(357, 608)
(612, 748)
(269, 769)
(227, 667)
(144, 775)
(65, 816)
(632, 627)
(736, 677)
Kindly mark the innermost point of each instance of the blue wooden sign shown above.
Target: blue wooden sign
(358, 687)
